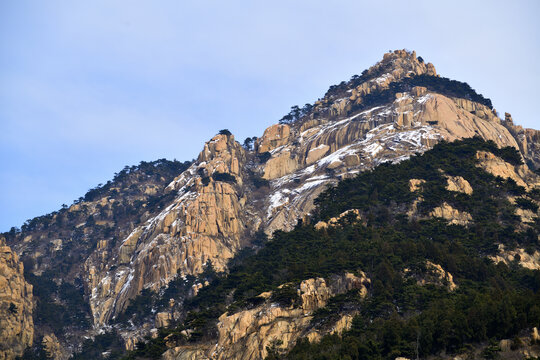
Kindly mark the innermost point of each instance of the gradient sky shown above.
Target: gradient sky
(87, 87)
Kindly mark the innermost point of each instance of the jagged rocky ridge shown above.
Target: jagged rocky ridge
(217, 206)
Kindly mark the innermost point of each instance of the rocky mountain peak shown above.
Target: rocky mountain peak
(215, 206)
(395, 66)
(400, 63)
(392, 111)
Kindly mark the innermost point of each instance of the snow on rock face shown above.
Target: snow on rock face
(338, 149)
(206, 221)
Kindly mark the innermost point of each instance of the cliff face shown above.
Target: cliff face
(527, 139)
(122, 242)
(16, 324)
(205, 222)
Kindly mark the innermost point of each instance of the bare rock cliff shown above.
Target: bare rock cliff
(205, 222)
(527, 139)
(16, 324)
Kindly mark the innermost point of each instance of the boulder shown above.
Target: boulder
(273, 137)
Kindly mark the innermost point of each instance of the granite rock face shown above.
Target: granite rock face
(528, 141)
(16, 305)
(205, 223)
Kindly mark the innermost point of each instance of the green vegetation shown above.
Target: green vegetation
(138, 308)
(296, 113)
(399, 317)
(161, 167)
(526, 204)
(448, 87)
(264, 157)
(58, 307)
(285, 295)
(436, 84)
(205, 180)
(108, 346)
(372, 192)
(225, 177)
(259, 182)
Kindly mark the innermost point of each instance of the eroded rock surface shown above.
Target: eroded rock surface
(498, 167)
(247, 334)
(16, 306)
(434, 274)
(53, 348)
(204, 223)
(453, 216)
(458, 184)
(215, 206)
(528, 141)
(506, 256)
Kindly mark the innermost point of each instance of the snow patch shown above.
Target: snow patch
(381, 79)
(373, 149)
(425, 98)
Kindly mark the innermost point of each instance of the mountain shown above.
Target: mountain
(184, 246)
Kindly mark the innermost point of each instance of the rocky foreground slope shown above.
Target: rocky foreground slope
(145, 232)
(16, 306)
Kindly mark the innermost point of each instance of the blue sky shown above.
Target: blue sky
(87, 87)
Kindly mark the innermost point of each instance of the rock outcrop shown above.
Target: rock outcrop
(453, 216)
(204, 223)
(521, 174)
(53, 348)
(528, 141)
(433, 274)
(416, 184)
(16, 305)
(273, 137)
(186, 353)
(458, 184)
(246, 335)
(522, 257)
(351, 215)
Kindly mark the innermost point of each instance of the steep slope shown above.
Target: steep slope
(133, 251)
(55, 246)
(16, 325)
(527, 139)
(205, 222)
